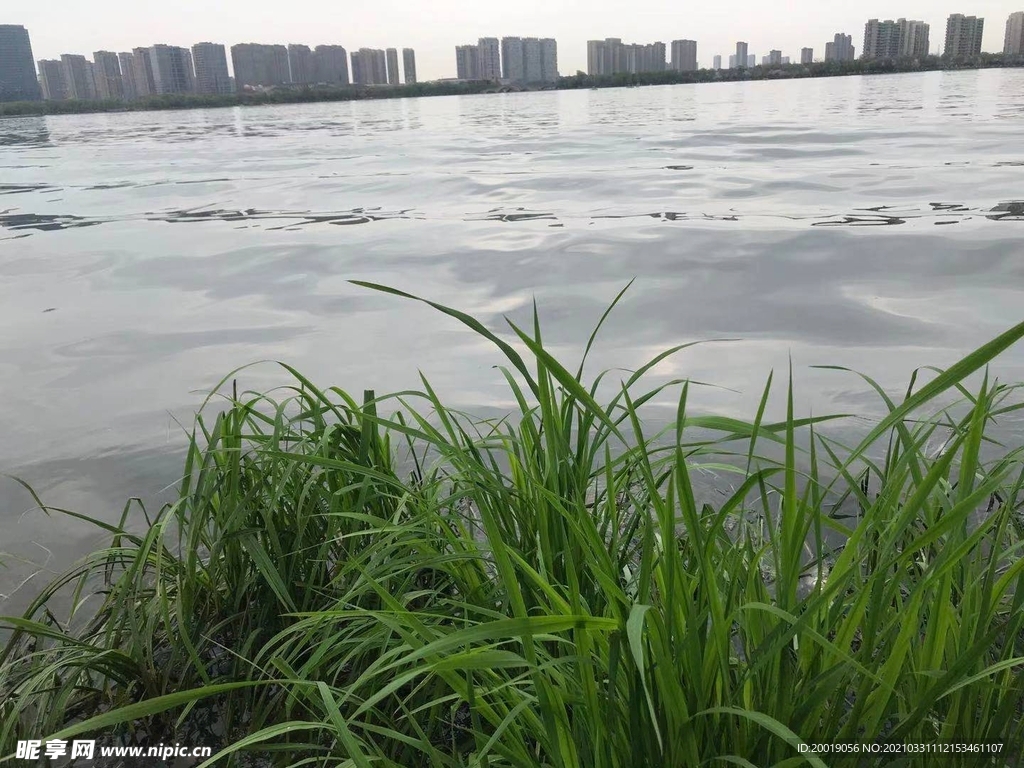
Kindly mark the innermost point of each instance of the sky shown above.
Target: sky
(433, 28)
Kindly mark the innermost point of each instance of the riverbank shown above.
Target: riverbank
(452, 88)
(545, 589)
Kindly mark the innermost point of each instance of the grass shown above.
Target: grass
(336, 585)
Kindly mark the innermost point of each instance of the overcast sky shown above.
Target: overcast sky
(435, 27)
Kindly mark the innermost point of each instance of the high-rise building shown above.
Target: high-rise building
(107, 75)
(489, 59)
(360, 68)
(684, 55)
(467, 62)
(548, 60)
(211, 64)
(17, 67)
(257, 65)
(409, 65)
(595, 57)
(750, 59)
(301, 70)
(532, 70)
(612, 57)
(394, 76)
(172, 69)
(142, 72)
(51, 79)
(127, 64)
(963, 35)
(806, 55)
(331, 63)
(741, 55)
(78, 77)
(881, 39)
(841, 48)
(775, 58)
(914, 41)
(732, 61)
(513, 60)
(369, 67)
(716, 62)
(1013, 43)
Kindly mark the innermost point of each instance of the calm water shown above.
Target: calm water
(876, 223)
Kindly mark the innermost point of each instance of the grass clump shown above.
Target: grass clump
(338, 586)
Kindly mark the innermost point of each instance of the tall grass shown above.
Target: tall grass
(338, 585)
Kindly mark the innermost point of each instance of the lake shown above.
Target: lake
(876, 223)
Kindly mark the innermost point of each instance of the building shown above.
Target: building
(549, 60)
(914, 41)
(301, 68)
(732, 61)
(211, 67)
(841, 48)
(638, 58)
(532, 70)
(1013, 43)
(963, 35)
(51, 80)
(806, 55)
(256, 65)
(17, 67)
(684, 55)
(513, 59)
(331, 64)
(716, 62)
(488, 59)
(394, 76)
(107, 75)
(467, 62)
(369, 67)
(612, 57)
(409, 65)
(142, 73)
(172, 69)
(79, 82)
(127, 63)
(595, 57)
(775, 58)
(742, 57)
(881, 39)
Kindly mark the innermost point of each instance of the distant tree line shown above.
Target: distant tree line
(461, 87)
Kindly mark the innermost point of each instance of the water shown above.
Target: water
(875, 223)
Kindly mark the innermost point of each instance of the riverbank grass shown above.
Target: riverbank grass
(389, 582)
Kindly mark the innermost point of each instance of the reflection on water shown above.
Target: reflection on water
(874, 223)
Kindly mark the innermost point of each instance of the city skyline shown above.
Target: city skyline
(117, 25)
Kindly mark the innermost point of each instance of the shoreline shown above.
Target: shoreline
(308, 95)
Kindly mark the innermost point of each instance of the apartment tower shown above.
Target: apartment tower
(394, 76)
(1013, 44)
(17, 67)
(684, 55)
(211, 64)
(963, 35)
(107, 75)
(409, 65)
